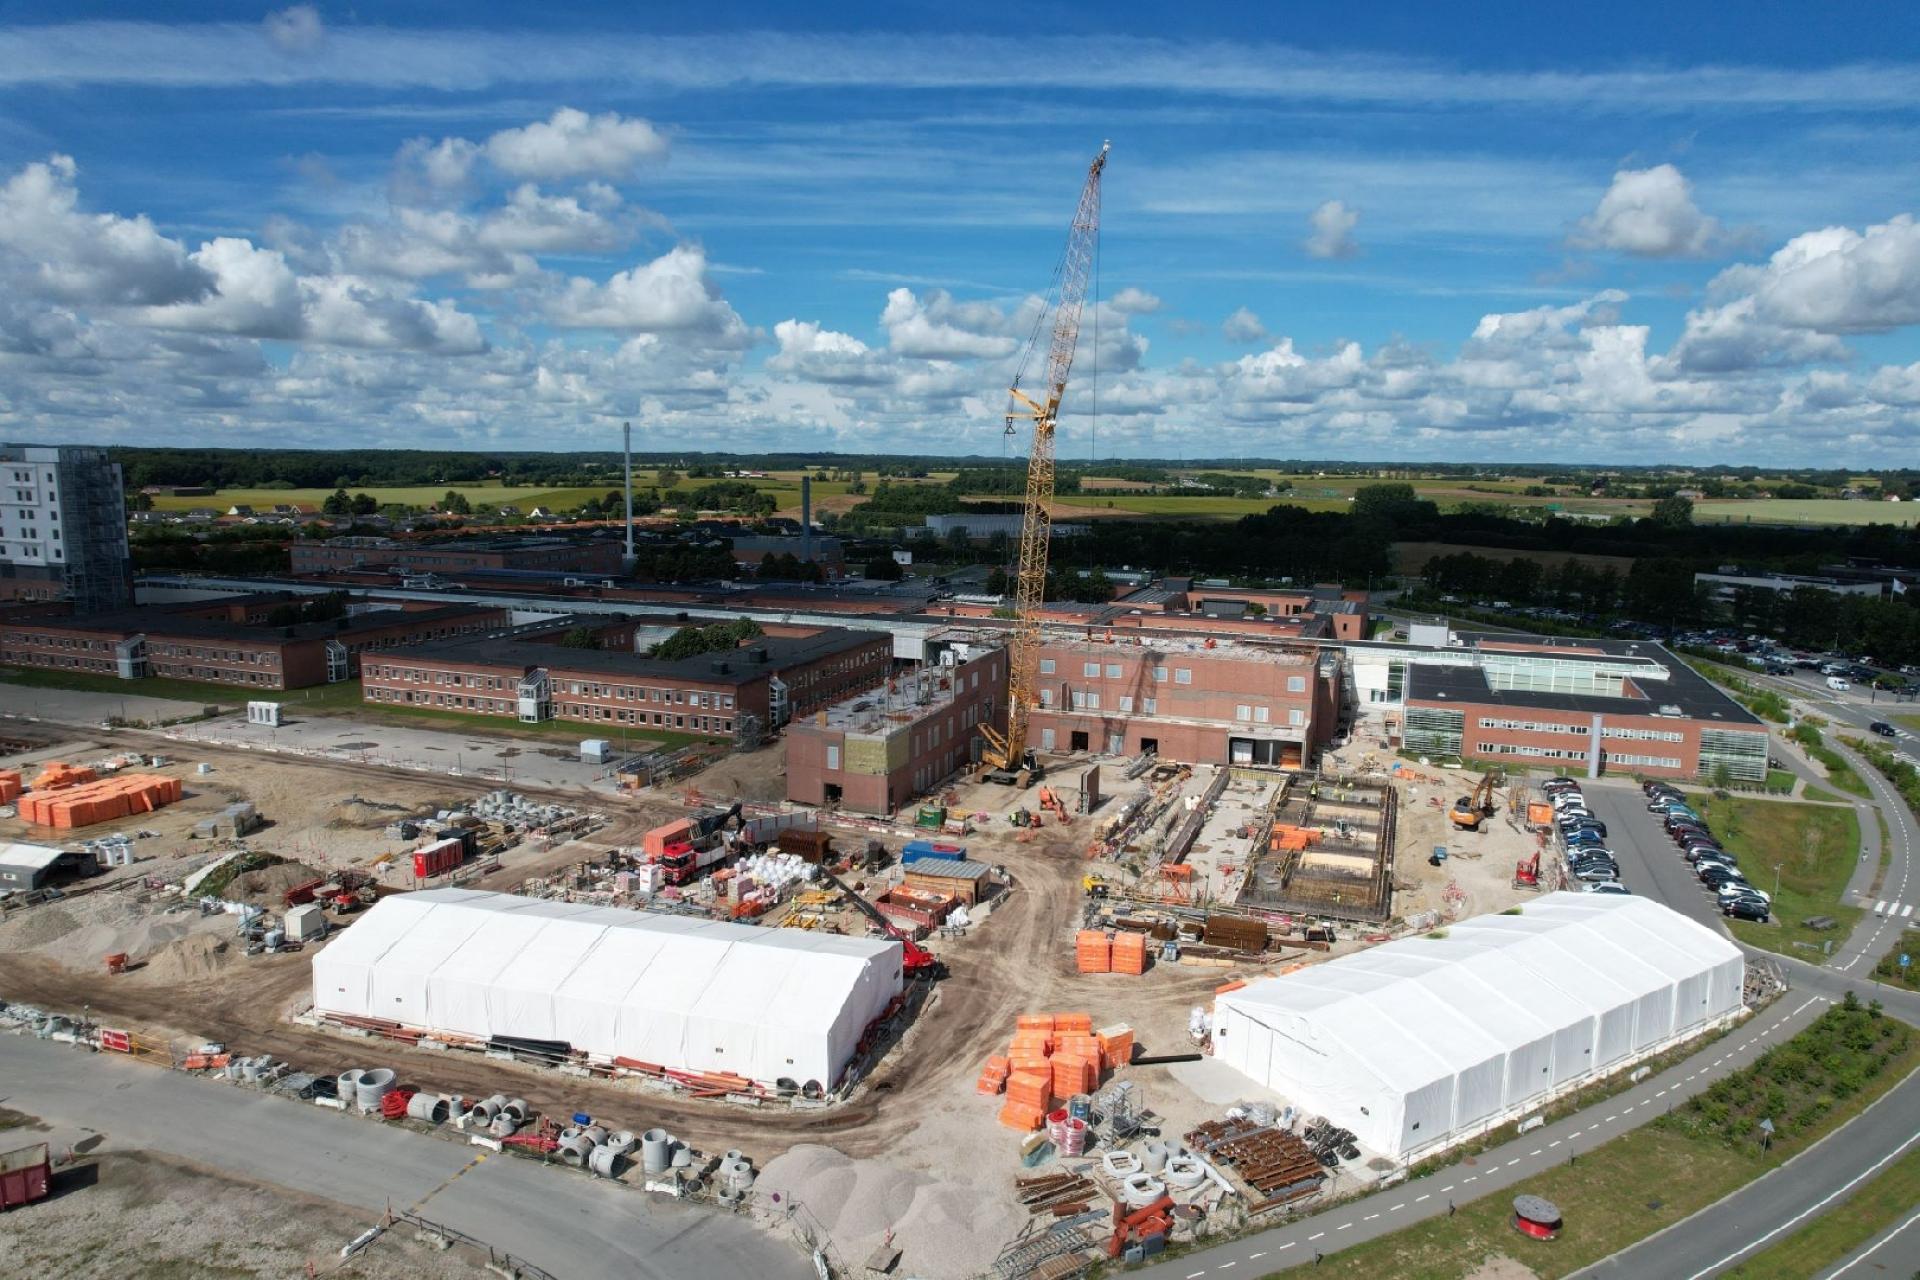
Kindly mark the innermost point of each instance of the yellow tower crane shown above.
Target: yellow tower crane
(1007, 757)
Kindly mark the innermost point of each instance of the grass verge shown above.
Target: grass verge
(1653, 1177)
(1820, 795)
(193, 691)
(1892, 972)
(1833, 1235)
(1814, 847)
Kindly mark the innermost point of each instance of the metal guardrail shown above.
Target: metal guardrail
(495, 1257)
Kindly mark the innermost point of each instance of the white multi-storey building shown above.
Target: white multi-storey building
(63, 527)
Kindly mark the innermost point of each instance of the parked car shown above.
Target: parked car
(1582, 838)
(1748, 909)
(1597, 870)
(1605, 886)
(1593, 824)
(1718, 874)
(1837, 684)
(1736, 889)
(1882, 728)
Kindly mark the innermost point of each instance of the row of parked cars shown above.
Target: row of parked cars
(1585, 837)
(1718, 870)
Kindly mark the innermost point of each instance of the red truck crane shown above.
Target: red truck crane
(916, 960)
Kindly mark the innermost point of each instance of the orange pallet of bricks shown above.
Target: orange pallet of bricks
(993, 1077)
(56, 774)
(1093, 951)
(10, 785)
(101, 801)
(1130, 953)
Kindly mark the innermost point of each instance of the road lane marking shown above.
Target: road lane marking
(1310, 1239)
(1343, 1226)
(1837, 1272)
(1193, 1275)
(1225, 1265)
(1398, 1207)
(1418, 1199)
(1556, 1142)
(1370, 1217)
(1446, 1188)
(1534, 1152)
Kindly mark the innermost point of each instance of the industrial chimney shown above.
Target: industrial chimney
(806, 518)
(626, 449)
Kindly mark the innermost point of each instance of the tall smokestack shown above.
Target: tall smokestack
(626, 449)
(806, 518)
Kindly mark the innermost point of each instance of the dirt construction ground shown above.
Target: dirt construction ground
(902, 1126)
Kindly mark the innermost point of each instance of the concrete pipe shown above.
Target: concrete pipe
(518, 1109)
(1184, 1172)
(430, 1107)
(605, 1161)
(682, 1157)
(595, 1133)
(733, 1155)
(1140, 1190)
(372, 1086)
(1120, 1164)
(484, 1111)
(1154, 1157)
(499, 1101)
(575, 1150)
(346, 1085)
(622, 1140)
(737, 1174)
(656, 1150)
(728, 1196)
(502, 1126)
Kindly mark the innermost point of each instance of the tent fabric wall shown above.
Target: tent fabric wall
(1413, 1041)
(681, 992)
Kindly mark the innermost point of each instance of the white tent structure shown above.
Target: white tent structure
(1419, 1043)
(675, 991)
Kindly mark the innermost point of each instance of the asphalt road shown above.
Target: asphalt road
(568, 1224)
(1894, 1252)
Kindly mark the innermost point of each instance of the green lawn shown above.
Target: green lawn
(1908, 722)
(1821, 795)
(1815, 848)
(184, 690)
(1831, 1236)
(1779, 780)
(1644, 1181)
(424, 495)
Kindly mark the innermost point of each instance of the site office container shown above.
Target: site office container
(25, 1174)
(438, 858)
(915, 850)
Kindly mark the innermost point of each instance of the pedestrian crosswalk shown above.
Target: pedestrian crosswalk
(1893, 910)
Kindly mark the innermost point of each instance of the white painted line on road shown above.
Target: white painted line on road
(1661, 1094)
(1255, 1257)
(1287, 1245)
(1629, 1110)
(1474, 1178)
(1343, 1226)
(1225, 1265)
(1418, 1199)
(1370, 1217)
(1398, 1207)
(1310, 1239)
(1880, 907)
(1852, 1263)
(1192, 1274)
(1449, 1187)
(1906, 911)
(1556, 1142)
(1818, 1205)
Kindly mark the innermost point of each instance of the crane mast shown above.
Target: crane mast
(1009, 755)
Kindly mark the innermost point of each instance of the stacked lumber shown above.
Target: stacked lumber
(83, 804)
(1093, 951)
(1277, 1165)
(1130, 953)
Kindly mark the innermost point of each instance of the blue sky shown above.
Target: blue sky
(1522, 232)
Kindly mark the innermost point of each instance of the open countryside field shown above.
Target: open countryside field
(1804, 511)
(1411, 557)
(526, 497)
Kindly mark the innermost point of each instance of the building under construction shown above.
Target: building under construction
(1328, 852)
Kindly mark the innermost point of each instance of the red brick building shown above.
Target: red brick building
(235, 649)
(770, 678)
(875, 753)
(335, 555)
(1199, 701)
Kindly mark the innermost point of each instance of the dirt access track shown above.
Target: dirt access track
(1019, 960)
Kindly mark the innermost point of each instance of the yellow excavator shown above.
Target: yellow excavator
(1469, 812)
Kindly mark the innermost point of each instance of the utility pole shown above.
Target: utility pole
(626, 450)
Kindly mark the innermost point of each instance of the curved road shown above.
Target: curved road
(1717, 1237)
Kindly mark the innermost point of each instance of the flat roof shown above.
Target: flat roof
(1201, 646)
(32, 857)
(904, 700)
(158, 621)
(742, 668)
(1685, 688)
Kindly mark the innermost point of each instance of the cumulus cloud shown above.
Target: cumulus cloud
(938, 328)
(573, 144)
(89, 257)
(428, 172)
(296, 29)
(667, 295)
(1134, 302)
(1333, 224)
(1243, 326)
(1649, 213)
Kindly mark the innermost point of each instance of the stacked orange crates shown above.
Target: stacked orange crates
(10, 786)
(1116, 1045)
(1029, 1095)
(103, 801)
(56, 774)
(994, 1078)
(1129, 952)
(1093, 951)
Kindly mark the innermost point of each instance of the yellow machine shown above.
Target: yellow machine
(1008, 758)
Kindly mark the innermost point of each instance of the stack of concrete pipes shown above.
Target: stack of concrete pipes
(592, 1147)
(498, 1116)
(363, 1089)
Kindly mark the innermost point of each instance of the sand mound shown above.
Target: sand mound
(943, 1229)
(268, 885)
(195, 956)
(360, 813)
(36, 927)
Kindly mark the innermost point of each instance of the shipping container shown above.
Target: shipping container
(25, 1174)
(918, 849)
(438, 858)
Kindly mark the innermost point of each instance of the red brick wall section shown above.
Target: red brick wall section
(1482, 742)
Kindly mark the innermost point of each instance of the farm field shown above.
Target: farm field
(1411, 557)
(1805, 511)
(523, 496)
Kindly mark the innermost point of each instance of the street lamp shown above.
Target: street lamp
(1776, 879)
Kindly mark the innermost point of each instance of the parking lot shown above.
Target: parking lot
(1649, 863)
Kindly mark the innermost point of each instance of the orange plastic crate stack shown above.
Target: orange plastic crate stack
(1093, 951)
(993, 1078)
(1129, 952)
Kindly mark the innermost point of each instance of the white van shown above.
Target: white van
(1838, 685)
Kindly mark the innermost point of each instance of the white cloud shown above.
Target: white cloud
(89, 257)
(938, 328)
(1649, 213)
(1243, 326)
(531, 222)
(667, 295)
(1134, 302)
(427, 172)
(1333, 225)
(573, 144)
(295, 29)
(1840, 281)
